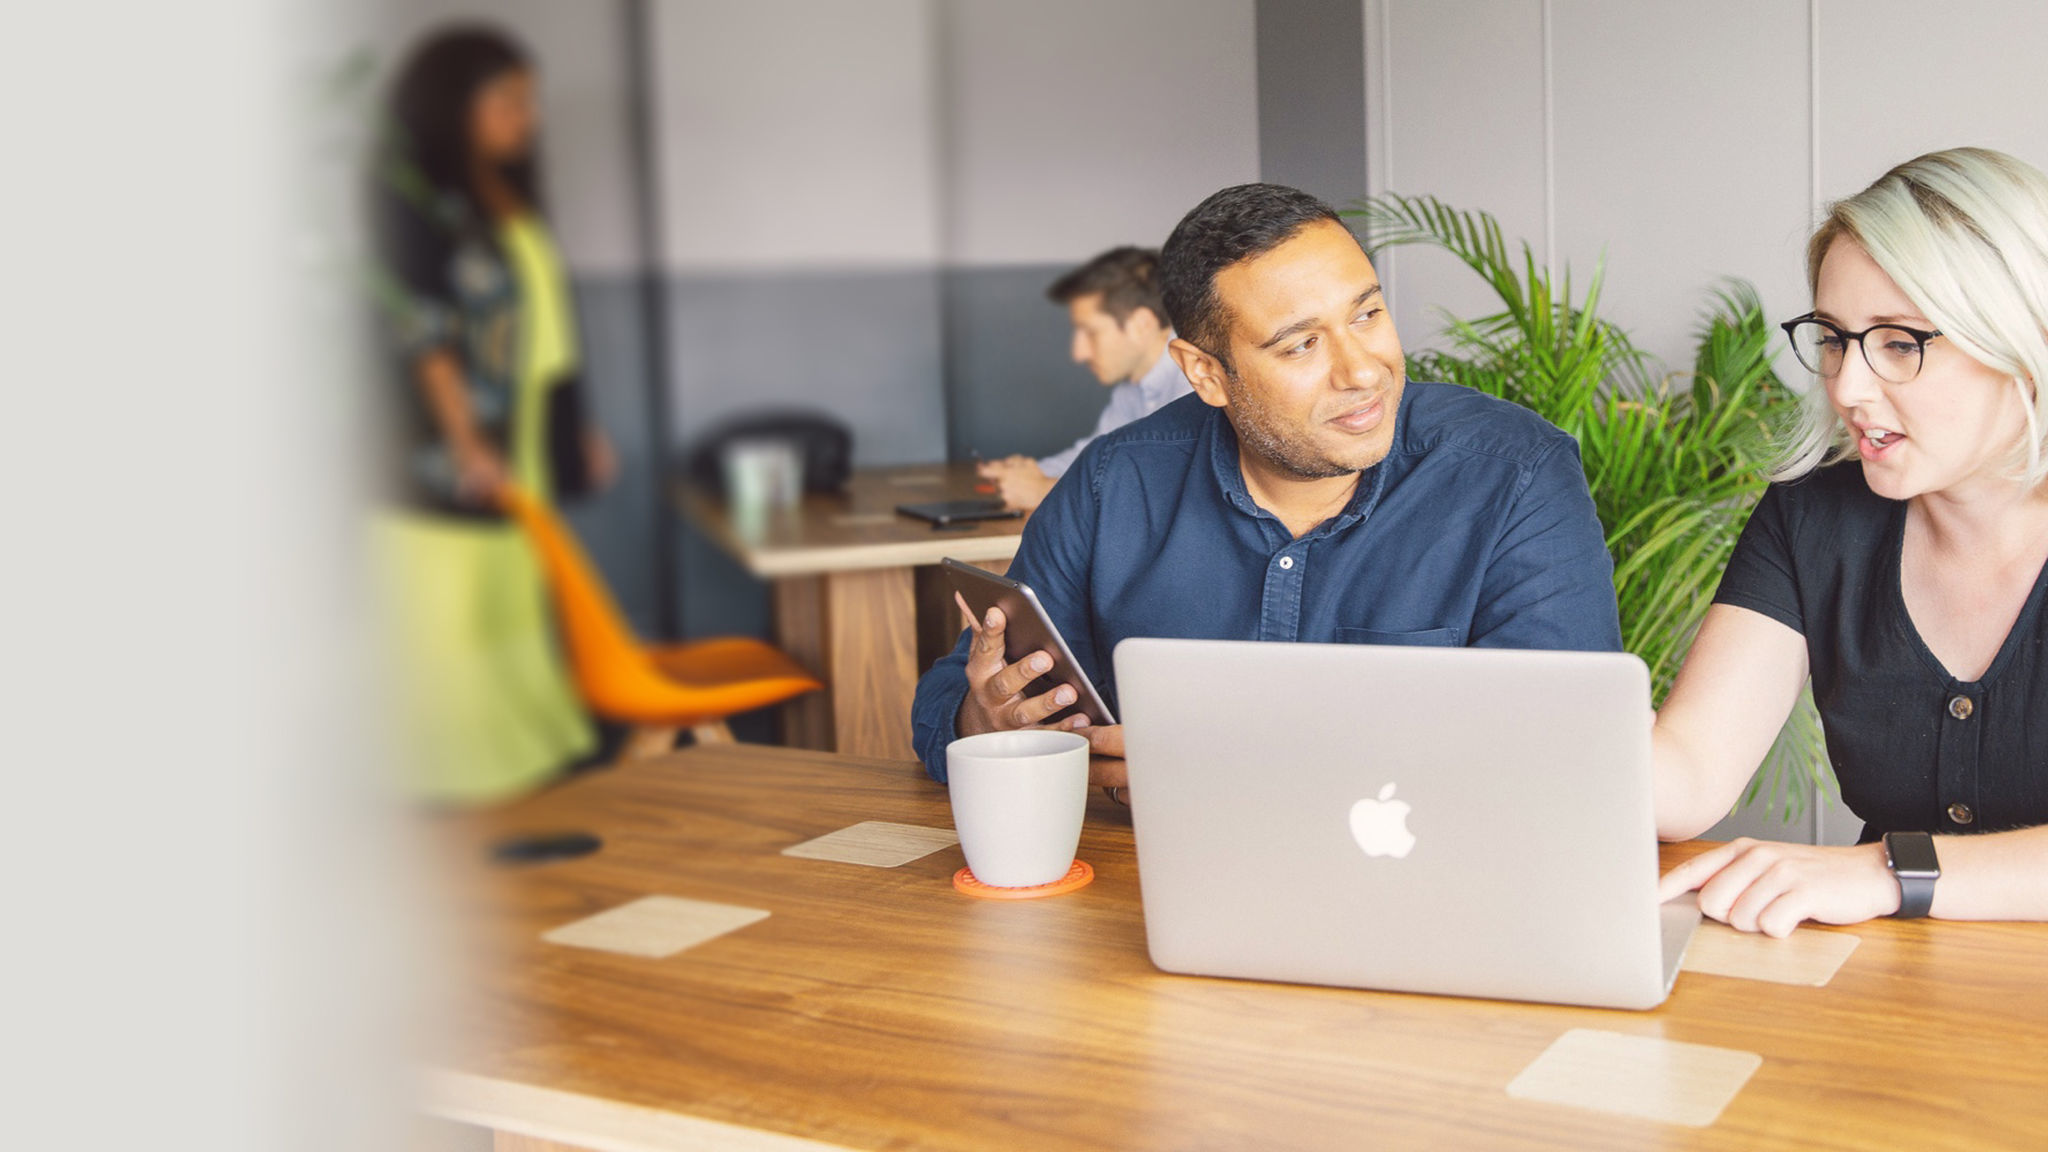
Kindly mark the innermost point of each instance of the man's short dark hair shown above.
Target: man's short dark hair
(1235, 224)
(1127, 278)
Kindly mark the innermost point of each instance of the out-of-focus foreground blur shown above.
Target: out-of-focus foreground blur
(202, 934)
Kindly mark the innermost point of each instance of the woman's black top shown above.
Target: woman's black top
(1913, 747)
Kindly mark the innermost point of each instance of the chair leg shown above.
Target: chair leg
(647, 740)
(713, 732)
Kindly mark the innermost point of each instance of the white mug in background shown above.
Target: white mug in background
(761, 474)
(1018, 802)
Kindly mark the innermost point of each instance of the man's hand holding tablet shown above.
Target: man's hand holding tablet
(996, 699)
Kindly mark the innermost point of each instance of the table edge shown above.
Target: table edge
(590, 1122)
(774, 563)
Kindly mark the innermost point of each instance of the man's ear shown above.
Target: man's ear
(1142, 325)
(1203, 371)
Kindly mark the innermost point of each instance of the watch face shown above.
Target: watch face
(1912, 854)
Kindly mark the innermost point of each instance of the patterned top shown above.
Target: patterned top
(500, 302)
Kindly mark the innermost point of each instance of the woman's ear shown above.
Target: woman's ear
(1204, 372)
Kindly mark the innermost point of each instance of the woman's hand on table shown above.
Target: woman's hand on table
(1769, 887)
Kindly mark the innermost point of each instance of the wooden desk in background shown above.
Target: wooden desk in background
(856, 597)
(877, 1007)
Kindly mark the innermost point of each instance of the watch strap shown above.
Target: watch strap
(1910, 855)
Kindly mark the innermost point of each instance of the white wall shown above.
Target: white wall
(1454, 109)
(1678, 145)
(1685, 142)
(1072, 126)
(1964, 72)
(797, 134)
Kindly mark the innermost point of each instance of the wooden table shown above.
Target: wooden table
(849, 577)
(877, 1007)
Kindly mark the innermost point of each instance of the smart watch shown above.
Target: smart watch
(1911, 858)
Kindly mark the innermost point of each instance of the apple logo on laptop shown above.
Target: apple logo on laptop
(1381, 826)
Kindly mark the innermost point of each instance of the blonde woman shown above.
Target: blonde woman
(1898, 560)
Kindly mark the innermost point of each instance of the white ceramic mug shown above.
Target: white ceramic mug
(761, 473)
(1018, 802)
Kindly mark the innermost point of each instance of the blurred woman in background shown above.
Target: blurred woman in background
(485, 351)
(1902, 560)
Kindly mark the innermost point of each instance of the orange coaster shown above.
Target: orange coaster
(1077, 877)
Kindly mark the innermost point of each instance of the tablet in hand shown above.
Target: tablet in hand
(1028, 629)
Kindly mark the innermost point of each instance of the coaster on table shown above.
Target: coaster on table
(1808, 956)
(1663, 1080)
(654, 926)
(1077, 877)
(875, 843)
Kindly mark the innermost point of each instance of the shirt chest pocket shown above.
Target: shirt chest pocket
(1426, 638)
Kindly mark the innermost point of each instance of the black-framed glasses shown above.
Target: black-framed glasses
(1892, 351)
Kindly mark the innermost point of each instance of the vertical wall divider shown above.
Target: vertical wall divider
(645, 138)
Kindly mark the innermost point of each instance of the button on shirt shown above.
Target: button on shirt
(1476, 529)
(1131, 400)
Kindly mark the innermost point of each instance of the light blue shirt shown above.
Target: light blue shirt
(1128, 401)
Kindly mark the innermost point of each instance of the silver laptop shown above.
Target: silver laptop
(1464, 821)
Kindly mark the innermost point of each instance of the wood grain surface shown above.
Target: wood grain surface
(857, 527)
(878, 1008)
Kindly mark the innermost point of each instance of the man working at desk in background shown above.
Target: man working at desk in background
(1120, 333)
(1307, 492)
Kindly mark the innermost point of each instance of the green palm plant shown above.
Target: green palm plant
(1674, 461)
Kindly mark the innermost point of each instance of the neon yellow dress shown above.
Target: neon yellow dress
(486, 710)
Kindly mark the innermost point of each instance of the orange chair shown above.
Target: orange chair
(660, 690)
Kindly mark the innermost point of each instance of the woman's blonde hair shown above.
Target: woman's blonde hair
(1964, 234)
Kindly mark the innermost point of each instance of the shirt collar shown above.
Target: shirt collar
(1223, 459)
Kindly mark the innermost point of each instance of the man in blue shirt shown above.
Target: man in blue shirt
(1307, 491)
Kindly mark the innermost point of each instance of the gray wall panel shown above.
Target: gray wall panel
(1312, 96)
(617, 525)
(863, 347)
(721, 598)
(1011, 383)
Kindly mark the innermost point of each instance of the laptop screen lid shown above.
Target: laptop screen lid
(1473, 822)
